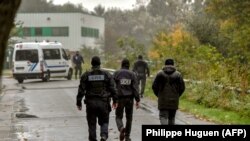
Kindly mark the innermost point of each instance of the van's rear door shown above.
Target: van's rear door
(26, 61)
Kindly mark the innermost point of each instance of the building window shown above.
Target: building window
(89, 32)
(60, 31)
(26, 31)
(38, 31)
(44, 31)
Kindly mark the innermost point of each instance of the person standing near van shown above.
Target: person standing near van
(78, 61)
(168, 86)
(141, 69)
(127, 86)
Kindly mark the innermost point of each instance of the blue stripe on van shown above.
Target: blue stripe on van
(56, 66)
(31, 66)
(34, 66)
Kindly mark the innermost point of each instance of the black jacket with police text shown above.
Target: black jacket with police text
(126, 84)
(96, 83)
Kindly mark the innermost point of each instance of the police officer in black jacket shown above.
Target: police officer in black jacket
(168, 86)
(98, 87)
(127, 86)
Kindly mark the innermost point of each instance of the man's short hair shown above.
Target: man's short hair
(169, 62)
(140, 57)
(96, 61)
(125, 63)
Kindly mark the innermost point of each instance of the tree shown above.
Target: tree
(35, 6)
(202, 25)
(99, 10)
(131, 49)
(235, 25)
(45, 6)
(8, 10)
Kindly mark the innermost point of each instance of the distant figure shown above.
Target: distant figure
(127, 87)
(98, 88)
(168, 86)
(78, 61)
(141, 69)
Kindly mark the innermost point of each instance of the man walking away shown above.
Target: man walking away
(78, 61)
(98, 87)
(141, 69)
(127, 86)
(168, 86)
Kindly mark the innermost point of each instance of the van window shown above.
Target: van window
(27, 55)
(64, 55)
(51, 54)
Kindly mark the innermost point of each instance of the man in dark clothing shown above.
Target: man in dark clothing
(78, 61)
(127, 86)
(98, 87)
(141, 69)
(168, 86)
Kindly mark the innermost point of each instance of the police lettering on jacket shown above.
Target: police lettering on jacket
(125, 81)
(96, 77)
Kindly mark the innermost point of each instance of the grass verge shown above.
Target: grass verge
(216, 115)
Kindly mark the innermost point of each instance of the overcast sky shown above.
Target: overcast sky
(90, 4)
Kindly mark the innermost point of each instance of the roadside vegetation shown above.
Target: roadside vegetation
(211, 104)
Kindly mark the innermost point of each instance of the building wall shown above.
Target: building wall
(74, 21)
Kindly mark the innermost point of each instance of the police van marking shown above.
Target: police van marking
(58, 66)
(125, 81)
(32, 66)
(96, 77)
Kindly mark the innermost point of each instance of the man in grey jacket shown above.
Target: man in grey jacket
(168, 86)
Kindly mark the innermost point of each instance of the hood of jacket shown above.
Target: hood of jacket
(169, 69)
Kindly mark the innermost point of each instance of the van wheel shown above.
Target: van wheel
(20, 80)
(47, 77)
(70, 74)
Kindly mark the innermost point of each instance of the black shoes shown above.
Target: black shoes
(122, 134)
(127, 139)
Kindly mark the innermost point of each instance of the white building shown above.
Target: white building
(73, 30)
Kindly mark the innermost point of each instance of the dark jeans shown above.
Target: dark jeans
(78, 71)
(167, 117)
(97, 109)
(142, 83)
(127, 104)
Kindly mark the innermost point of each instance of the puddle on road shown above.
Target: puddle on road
(145, 109)
(24, 115)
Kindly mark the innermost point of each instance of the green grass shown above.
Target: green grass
(216, 115)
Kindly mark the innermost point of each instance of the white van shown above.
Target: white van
(32, 60)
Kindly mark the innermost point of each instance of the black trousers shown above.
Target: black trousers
(167, 117)
(127, 104)
(78, 71)
(142, 82)
(97, 109)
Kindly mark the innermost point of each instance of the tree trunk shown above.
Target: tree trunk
(8, 10)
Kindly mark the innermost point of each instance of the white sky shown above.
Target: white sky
(90, 4)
